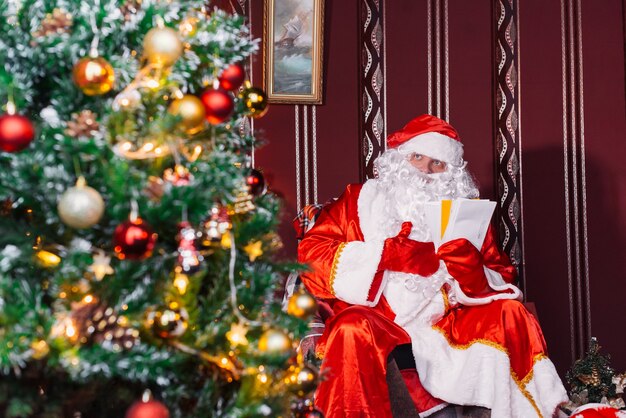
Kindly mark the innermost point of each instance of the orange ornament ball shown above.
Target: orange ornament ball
(94, 76)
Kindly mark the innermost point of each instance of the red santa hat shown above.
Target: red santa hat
(430, 136)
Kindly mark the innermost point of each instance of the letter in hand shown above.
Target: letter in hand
(400, 253)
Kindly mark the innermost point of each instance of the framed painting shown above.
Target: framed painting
(292, 64)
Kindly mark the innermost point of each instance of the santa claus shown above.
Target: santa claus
(373, 260)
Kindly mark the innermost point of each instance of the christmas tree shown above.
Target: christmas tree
(135, 236)
(593, 380)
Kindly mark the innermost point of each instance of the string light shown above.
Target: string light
(181, 282)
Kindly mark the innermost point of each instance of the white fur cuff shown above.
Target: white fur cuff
(435, 145)
(355, 270)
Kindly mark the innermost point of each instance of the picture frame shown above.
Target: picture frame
(293, 34)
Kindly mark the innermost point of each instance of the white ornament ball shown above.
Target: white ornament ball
(81, 206)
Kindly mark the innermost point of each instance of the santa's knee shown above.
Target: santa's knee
(354, 323)
(512, 308)
(513, 314)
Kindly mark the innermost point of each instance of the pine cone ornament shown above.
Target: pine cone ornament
(592, 379)
(99, 324)
(83, 124)
(57, 22)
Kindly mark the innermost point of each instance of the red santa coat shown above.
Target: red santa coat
(473, 342)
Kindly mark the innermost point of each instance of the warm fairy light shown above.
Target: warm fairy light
(151, 83)
(178, 94)
(224, 361)
(62, 295)
(174, 305)
(226, 241)
(70, 330)
(196, 152)
(262, 377)
(181, 281)
(11, 107)
(88, 299)
(188, 26)
(148, 150)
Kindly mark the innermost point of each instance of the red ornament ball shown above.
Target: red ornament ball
(219, 105)
(255, 182)
(16, 132)
(150, 409)
(134, 240)
(232, 77)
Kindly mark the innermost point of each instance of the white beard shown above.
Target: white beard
(407, 195)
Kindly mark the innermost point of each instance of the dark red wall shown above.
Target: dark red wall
(572, 185)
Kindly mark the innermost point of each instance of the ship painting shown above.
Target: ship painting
(293, 64)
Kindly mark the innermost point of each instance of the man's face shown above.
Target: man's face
(426, 164)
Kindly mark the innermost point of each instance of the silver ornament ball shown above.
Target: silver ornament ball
(81, 206)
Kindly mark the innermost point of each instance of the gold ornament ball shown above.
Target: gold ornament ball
(192, 112)
(40, 349)
(274, 341)
(168, 322)
(301, 380)
(94, 76)
(162, 46)
(47, 259)
(80, 206)
(255, 101)
(301, 305)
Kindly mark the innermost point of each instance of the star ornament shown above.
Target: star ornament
(237, 334)
(101, 265)
(254, 250)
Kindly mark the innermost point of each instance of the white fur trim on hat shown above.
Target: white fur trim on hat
(435, 145)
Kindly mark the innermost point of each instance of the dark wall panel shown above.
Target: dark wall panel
(407, 62)
(605, 144)
(471, 94)
(543, 173)
(338, 120)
